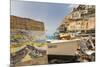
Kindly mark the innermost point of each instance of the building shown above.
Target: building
(82, 19)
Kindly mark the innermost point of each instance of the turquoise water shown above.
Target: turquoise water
(50, 37)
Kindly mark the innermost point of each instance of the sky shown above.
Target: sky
(51, 14)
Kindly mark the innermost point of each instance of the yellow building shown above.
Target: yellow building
(81, 18)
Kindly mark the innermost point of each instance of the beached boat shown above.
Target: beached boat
(63, 47)
(68, 51)
(62, 51)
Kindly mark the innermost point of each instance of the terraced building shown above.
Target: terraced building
(82, 19)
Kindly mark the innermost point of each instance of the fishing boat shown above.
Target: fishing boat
(62, 51)
(68, 51)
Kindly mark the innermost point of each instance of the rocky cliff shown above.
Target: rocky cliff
(25, 23)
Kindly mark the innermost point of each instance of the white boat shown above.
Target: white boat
(63, 47)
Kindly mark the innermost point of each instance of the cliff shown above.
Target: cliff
(25, 23)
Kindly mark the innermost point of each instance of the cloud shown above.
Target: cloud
(73, 5)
